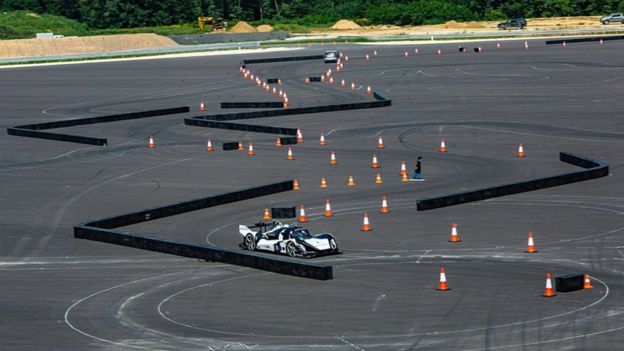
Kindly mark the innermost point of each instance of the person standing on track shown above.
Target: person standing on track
(418, 169)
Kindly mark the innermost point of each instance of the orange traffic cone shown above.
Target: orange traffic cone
(331, 80)
(526, 46)
(369, 90)
(367, 57)
(366, 227)
(521, 151)
(202, 107)
(406, 54)
(299, 136)
(404, 177)
(250, 150)
(322, 141)
(439, 51)
(403, 168)
(587, 282)
(343, 83)
(151, 144)
(564, 44)
(531, 244)
(296, 184)
(274, 92)
(442, 146)
(378, 179)
(240, 146)
(443, 285)
(416, 51)
(328, 210)
(290, 156)
(498, 46)
(302, 215)
(352, 86)
(351, 182)
(549, 291)
(209, 146)
(267, 215)
(285, 103)
(454, 235)
(380, 143)
(375, 164)
(323, 182)
(307, 80)
(332, 160)
(601, 41)
(278, 142)
(375, 52)
(384, 205)
(281, 94)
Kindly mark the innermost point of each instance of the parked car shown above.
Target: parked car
(614, 17)
(519, 23)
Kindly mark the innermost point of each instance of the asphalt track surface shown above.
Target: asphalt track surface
(60, 293)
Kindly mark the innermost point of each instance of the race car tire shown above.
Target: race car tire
(291, 250)
(250, 242)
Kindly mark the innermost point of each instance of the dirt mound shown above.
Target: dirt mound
(264, 28)
(81, 45)
(243, 27)
(453, 24)
(345, 25)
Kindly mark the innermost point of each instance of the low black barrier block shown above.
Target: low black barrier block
(283, 212)
(314, 79)
(593, 169)
(273, 81)
(34, 128)
(230, 146)
(272, 104)
(283, 59)
(581, 40)
(570, 282)
(462, 49)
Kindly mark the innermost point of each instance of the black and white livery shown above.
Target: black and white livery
(291, 240)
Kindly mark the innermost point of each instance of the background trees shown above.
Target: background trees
(134, 13)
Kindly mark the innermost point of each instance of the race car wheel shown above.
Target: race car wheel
(250, 242)
(291, 250)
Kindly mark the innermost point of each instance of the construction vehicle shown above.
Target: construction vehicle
(216, 23)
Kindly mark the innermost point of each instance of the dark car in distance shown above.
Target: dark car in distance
(518, 23)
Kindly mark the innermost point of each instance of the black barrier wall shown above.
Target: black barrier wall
(34, 130)
(217, 121)
(102, 230)
(593, 169)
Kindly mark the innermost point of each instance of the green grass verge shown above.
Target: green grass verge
(25, 24)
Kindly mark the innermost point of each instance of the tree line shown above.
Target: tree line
(138, 13)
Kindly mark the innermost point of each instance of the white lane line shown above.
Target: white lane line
(70, 308)
(423, 256)
(341, 338)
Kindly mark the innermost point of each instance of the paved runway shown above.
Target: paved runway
(61, 293)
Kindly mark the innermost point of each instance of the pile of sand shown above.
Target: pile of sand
(243, 27)
(472, 24)
(82, 45)
(345, 25)
(264, 28)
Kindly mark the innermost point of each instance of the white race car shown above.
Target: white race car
(292, 240)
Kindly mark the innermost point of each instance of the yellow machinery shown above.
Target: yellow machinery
(216, 23)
